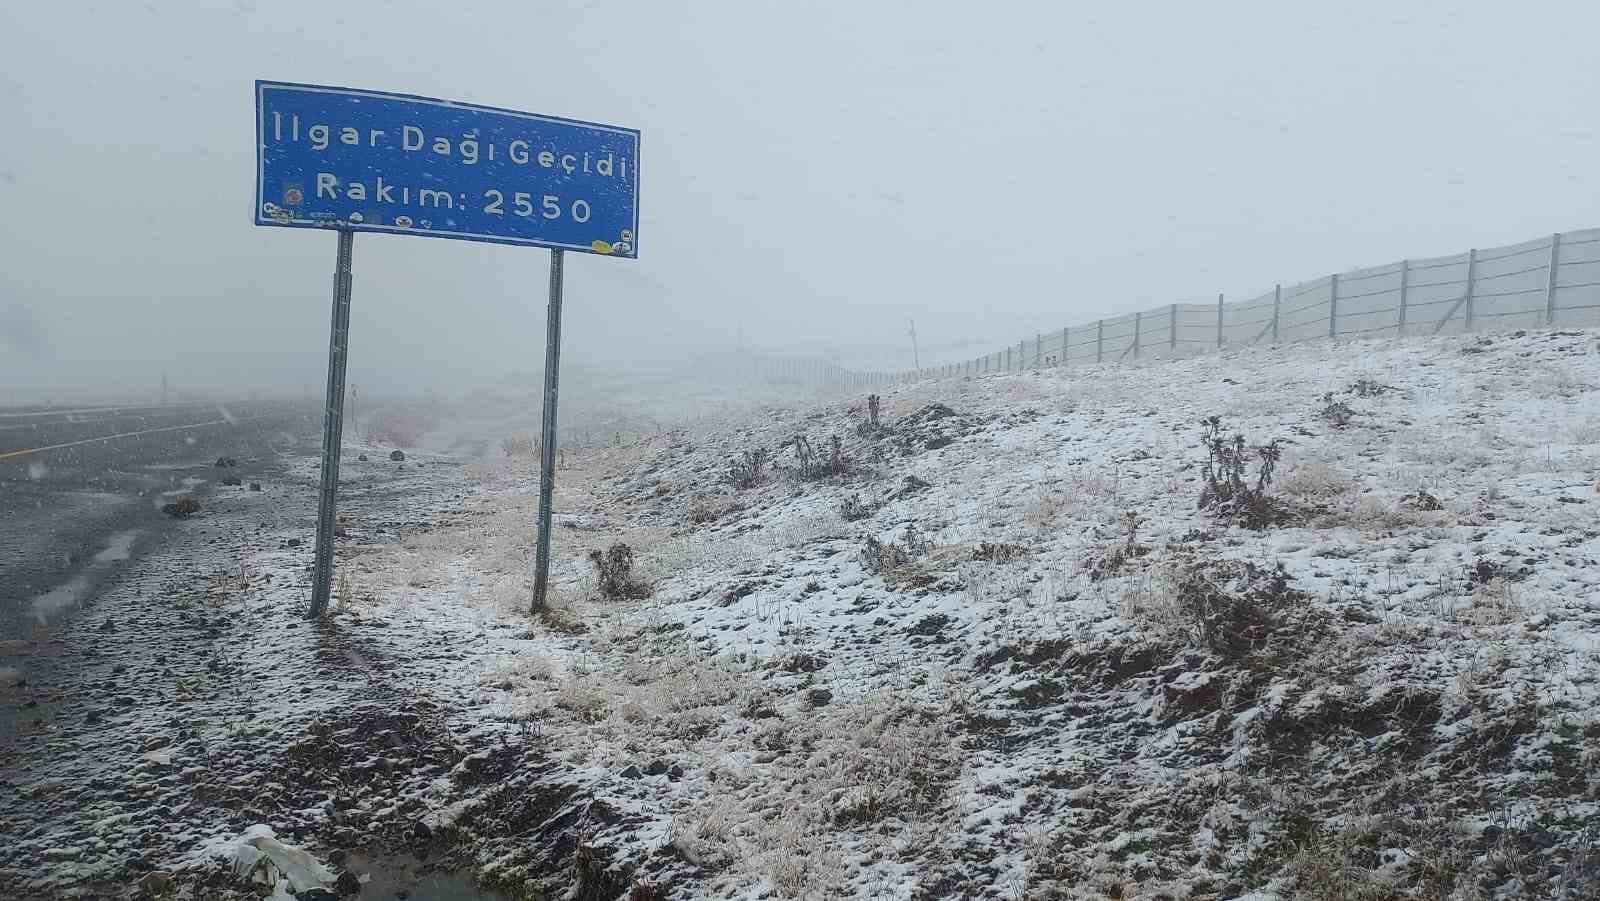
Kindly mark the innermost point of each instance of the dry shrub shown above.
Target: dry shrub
(1314, 481)
(517, 445)
(615, 568)
(894, 558)
(1233, 607)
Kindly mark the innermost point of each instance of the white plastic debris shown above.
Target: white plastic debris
(257, 855)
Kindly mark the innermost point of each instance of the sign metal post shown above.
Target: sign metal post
(332, 425)
(547, 435)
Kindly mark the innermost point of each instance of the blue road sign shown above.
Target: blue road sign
(371, 161)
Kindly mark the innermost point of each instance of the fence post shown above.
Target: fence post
(1022, 354)
(1333, 306)
(1172, 329)
(1277, 306)
(1064, 345)
(1099, 341)
(1405, 291)
(1008, 358)
(1550, 281)
(1138, 326)
(1472, 271)
(1219, 320)
(1038, 350)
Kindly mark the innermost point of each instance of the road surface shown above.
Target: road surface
(81, 490)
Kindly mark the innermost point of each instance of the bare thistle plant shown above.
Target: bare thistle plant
(853, 508)
(747, 471)
(873, 426)
(812, 465)
(1226, 491)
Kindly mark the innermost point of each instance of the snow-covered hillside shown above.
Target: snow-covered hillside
(1050, 674)
(995, 649)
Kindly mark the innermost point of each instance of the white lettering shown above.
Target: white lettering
(604, 166)
(441, 146)
(552, 206)
(469, 150)
(407, 133)
(517, 157)
(547, 159)
(319, 137)
(586, 164)
(430, 197)
(383, 191)
(294, 127)
(350, 136)
(329, 182)
(374, 134)
(355, 191)
(569, 162)
(580, 211)
(277, 126)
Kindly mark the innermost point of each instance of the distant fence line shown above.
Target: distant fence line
(1544, 281)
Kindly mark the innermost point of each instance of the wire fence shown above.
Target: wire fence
(1546, 281)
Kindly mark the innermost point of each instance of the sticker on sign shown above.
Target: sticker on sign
(378, 162)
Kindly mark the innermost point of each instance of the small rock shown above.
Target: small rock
(92, 717)
(347, 884)
(675, 773)
(397, 455)
(316, 894)
(232, 481)
(1422, 500)
(421, 831)
(657, 767)
(819, 697)
(362, 458)
(293, 542)
(632, 772)
(108, 626)
(182, 508)
(255, 486)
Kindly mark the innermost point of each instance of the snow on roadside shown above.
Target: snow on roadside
(1053, 675)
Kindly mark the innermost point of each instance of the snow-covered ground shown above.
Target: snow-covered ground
(1001, 654)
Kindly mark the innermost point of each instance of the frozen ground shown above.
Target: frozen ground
(1000, 654)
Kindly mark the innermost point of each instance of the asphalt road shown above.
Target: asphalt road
(81, 490)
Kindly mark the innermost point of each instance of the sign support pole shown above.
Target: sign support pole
(332, 426)
(547, 437)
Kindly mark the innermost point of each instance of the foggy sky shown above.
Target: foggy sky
(815, 174)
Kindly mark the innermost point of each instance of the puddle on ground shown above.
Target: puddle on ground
(393, 879)
(46, 606)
